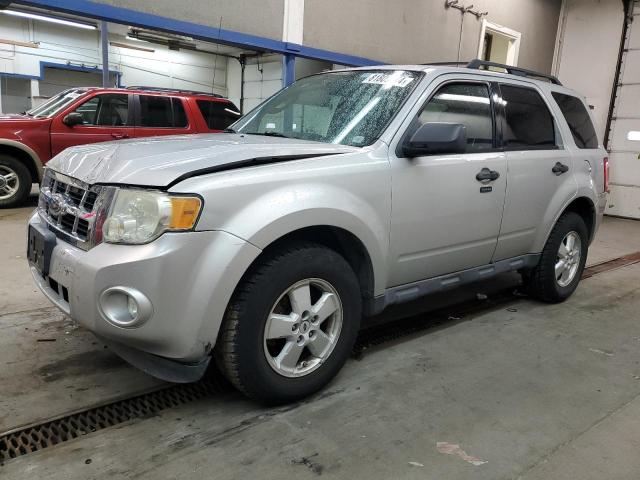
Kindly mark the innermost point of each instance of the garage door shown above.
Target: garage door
(624, 137)
(56, 80)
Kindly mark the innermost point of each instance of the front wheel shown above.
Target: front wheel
(15, 182)
(291, 324)
(560, 268)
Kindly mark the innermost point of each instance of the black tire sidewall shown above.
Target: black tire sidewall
(25, 182)
(253, 368)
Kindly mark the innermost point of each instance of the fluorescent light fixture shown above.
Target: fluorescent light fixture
(44, 18)
(455, 97)
(633, 135)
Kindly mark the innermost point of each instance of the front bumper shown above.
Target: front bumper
(188, 277)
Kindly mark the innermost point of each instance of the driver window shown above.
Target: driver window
(111, 109)
(467, 104)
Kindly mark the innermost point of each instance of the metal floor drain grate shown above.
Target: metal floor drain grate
(37, 437)
(619, 262)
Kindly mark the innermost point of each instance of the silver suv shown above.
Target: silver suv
(349, 191)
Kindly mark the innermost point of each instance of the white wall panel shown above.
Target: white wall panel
(162, 67)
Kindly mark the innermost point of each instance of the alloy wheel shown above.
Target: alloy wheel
(568, 259)
(9, 182)
(303, 327)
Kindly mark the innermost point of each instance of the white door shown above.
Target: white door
(624, 141)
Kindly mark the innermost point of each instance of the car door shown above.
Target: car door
(105, 117)
(161, 115)
(540, 179)
(444, 219)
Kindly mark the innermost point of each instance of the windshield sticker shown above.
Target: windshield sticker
(73, 95)
(394, 79)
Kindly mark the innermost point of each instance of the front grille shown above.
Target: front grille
(70, 207)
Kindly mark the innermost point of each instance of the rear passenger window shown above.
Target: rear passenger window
(218, 115)
(467, 104)
(578, 119)
(529, 124)
(162, 112)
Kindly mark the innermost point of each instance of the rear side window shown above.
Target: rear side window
(162, 112)
(578, 119)
(529, 123)
(218, 115)
(467, 104)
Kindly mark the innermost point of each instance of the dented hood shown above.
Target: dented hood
(160, 161)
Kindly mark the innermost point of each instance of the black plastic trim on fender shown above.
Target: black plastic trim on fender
(249, 162)
(160, 367)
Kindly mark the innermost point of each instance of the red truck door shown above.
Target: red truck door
(162, 115)
(104, 117)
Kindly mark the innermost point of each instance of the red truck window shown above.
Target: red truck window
(105, 110)
(218, 115)
(162, 112)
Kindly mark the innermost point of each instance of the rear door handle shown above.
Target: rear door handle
(118, 136)
(560, 168)
(486, 175)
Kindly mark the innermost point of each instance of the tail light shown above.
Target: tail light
(605, 164)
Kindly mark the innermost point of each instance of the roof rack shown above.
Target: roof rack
(444, 64)
(173, 90)
(477, 64)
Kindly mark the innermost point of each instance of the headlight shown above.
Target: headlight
(140, 216)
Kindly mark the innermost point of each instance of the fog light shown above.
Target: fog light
(125, 307)
(133, 307)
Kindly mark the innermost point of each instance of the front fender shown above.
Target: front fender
(263, 204)
(318, 206)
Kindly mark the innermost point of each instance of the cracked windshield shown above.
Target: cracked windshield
(348, 108)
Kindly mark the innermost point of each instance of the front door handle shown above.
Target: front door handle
(486, 175)
(118, 136)
(560, 168)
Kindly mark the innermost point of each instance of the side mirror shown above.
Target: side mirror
(437, 137)
(72, 119)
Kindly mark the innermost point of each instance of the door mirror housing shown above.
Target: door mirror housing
(72, 119)
(436, 137)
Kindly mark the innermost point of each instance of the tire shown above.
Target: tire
(543, 282)
(15, 184)
(259, 366)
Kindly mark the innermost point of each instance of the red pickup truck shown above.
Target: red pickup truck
(87, 115)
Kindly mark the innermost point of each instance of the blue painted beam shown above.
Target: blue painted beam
(288, 69)
(134, 18)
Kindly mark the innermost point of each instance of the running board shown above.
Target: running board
(411, 291)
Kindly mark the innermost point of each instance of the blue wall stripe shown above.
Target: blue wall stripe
(228, 37)
(62, 66)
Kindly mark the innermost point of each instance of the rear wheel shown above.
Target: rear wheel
(15, 182)
(291, 324)
(558, 272)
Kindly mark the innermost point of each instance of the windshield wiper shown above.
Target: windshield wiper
(269, 134)
(229, 130)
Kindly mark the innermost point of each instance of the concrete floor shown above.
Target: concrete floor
(526, 391)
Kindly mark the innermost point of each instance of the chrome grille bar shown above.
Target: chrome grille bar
(66, 214)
